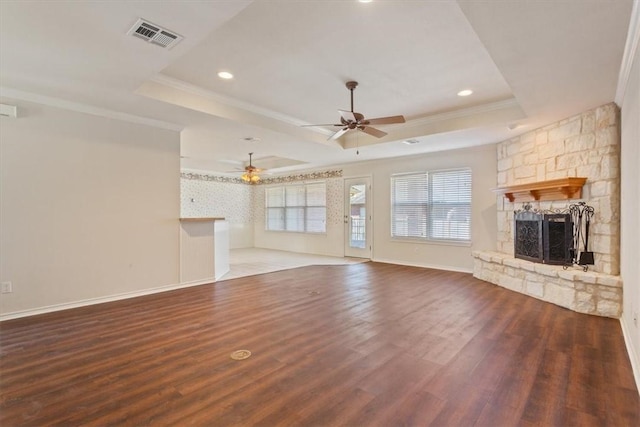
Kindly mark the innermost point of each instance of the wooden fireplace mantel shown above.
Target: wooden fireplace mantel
(555, 189)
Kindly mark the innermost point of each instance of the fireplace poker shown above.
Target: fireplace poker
(586, 256)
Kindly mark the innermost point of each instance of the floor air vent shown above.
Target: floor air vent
(154, 34)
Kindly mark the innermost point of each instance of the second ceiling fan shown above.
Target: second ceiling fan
(350, 120)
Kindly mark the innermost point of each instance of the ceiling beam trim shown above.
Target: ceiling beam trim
(187, 96)
(19, 95)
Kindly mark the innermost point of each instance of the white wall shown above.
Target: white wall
(203, 196)
(481, 160)
(630, 209)
(89, 208)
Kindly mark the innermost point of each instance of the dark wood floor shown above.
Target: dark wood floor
(359, 345)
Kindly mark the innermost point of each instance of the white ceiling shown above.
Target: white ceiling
(529, 63)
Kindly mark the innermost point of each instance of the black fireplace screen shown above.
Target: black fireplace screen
(543, 237)
(528, 236)
(557, 238)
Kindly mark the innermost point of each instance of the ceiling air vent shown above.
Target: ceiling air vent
(154, 34)
(8, 111)
(411, 141)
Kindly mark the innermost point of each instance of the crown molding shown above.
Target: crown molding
(464, 112)
(630, 51)
(85, 108)
(506, 110)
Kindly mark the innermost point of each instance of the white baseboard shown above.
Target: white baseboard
(434, 266)
(220, 275)
(100, 300)
(633, 355)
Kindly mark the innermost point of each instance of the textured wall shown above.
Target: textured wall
(210, 196)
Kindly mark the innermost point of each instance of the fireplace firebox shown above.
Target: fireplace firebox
(557, 238)
(543, 237)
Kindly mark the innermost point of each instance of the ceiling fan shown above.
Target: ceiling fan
(350, 120)
(251, 173)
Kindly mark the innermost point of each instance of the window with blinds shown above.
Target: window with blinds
(434, 205)
(297, 207)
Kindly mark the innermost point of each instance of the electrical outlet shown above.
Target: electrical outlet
(6, 288)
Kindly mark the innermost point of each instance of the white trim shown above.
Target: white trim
(630, 49)
(633, 356)
(232, 102)
(226, 100)
(100, 300)
(87, 109)
(464, 112)
(434, 266)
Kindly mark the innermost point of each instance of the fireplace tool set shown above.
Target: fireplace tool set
(581, 215)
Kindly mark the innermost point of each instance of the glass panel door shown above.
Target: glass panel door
(357, 218)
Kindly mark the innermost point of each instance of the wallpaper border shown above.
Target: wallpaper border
(273, 180)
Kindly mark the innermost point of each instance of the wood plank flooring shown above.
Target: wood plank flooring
(356, 345)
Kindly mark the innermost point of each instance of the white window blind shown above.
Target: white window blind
(296, 207)
(432, 205)
(275, 208)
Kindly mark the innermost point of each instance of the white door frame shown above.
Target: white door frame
(360, 249)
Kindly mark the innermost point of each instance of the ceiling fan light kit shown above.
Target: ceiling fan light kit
(350, 120)
(251, 173)
(249, 177)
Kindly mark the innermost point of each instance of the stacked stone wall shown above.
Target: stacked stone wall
(586, 145)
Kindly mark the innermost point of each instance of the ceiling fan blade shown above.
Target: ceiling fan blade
(384, 120)
(372, 131)
(338, 134)
(325, 124)
(348, 116)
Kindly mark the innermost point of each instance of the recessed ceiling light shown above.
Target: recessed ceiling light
(465, 92)
(251, 139)
(225, 75)
(365, 1)
(411, 141)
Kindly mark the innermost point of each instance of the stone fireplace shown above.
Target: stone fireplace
(586, 145)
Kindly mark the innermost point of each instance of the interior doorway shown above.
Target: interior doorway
(358, 217)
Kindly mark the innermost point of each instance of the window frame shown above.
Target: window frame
(429, 206)
(286, 209)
